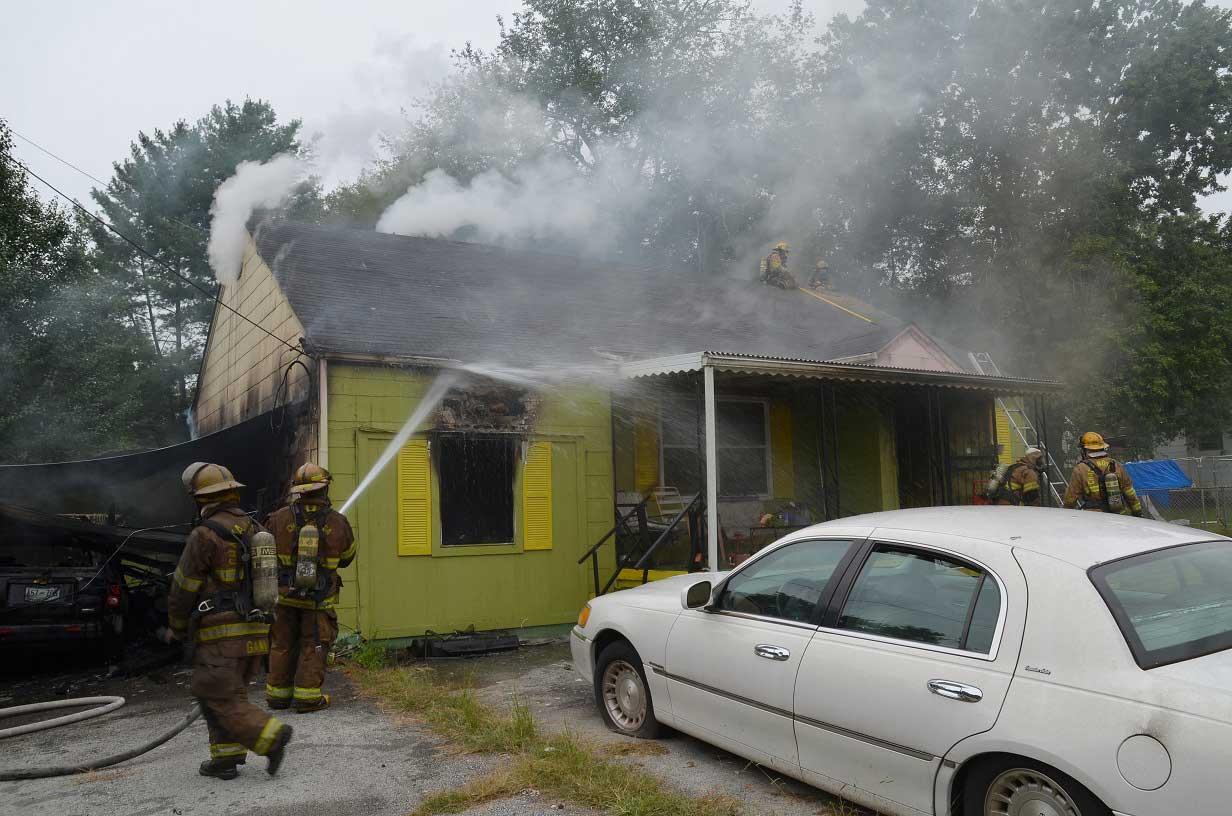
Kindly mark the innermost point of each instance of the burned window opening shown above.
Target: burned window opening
(476, 474)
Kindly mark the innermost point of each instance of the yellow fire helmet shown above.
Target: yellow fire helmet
(309, 477)
(1093, 441)
(207, 479)
(781, 246)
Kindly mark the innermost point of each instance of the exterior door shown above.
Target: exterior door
(731, 669)
(916, 653)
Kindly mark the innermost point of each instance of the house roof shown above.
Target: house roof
(364, 292)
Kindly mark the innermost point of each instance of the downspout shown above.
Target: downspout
(712, 470)
(322, 414)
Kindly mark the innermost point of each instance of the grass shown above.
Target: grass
(559, 766)
(370, 654)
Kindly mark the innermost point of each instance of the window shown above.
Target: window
(743, 447)
(476, 487)
(787, 583)
(910, 594)
(1172, 604)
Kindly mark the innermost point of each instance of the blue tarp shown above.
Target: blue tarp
(1156, 477)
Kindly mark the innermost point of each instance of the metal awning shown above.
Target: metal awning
(831, 370)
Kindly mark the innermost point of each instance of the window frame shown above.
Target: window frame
(1143, 656)
(854, 548)
(767, 445)
(838, 600)
(437, 451)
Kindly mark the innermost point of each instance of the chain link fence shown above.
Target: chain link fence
(1208, 504)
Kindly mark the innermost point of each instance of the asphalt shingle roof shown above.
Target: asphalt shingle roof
(359, 291)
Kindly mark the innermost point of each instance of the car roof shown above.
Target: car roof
(1078, 537)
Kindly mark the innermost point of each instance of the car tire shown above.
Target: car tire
(622, 692)
(1009, 786)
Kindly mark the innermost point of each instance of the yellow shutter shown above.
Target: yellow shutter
(414, 499)
(645, 453)
(537, 497)
(781, 452)
(1004, 438)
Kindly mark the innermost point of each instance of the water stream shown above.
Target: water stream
(440, 387)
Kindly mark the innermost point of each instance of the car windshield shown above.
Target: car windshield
(1173, 604)
(41, 555)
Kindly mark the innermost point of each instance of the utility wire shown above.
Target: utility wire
(142, 250)
(91, 176)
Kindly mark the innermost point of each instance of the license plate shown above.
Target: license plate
(43, 594)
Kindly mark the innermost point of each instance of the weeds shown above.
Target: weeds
(559, 766)
(370, 654)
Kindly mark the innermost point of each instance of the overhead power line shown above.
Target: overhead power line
(213, 295)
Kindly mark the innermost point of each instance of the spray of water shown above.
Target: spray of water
(426, 405)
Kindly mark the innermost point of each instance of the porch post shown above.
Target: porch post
(712, 471)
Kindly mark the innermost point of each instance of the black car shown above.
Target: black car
(58, 593)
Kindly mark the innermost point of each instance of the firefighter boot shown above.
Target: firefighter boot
(221, 768)
(279, 751)
(312, 705)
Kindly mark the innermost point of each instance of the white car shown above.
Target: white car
(982, 661)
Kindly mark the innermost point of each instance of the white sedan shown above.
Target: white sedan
(982, 661)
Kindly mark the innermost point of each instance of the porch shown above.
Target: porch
(716, 456)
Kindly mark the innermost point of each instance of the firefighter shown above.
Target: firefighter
(1020, 483)
(211, 607)
(313, 541)
(773, 268)
(821, 276)
(1099, 483)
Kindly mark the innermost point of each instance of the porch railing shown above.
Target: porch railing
(640, 557)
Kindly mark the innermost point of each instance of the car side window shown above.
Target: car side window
(924, 597)
(786, 583)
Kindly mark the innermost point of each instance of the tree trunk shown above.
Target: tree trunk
(149, 309)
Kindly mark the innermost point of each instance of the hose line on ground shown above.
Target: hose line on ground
(92, 765)
(105, 705)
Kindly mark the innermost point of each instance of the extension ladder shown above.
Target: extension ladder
(1020, 426)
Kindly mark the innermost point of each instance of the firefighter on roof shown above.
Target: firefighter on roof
(313, 541)
(821, 276)
(1100, 483)
(222, 596)
(773, 268)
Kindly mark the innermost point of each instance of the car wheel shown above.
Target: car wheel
(622, 692)
(1023, 787)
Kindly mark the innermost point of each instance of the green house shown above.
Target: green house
(598, 424)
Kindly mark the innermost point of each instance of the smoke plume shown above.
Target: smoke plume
(255, 185)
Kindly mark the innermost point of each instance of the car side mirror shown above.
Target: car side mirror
(696, 596)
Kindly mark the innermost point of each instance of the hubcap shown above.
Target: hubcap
(1026, 792)
(624, 695)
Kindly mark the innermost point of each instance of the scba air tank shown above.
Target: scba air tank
(264, 565)
(994, 481)
(306, 557)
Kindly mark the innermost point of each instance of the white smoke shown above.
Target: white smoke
(544, 199)
(254, 185)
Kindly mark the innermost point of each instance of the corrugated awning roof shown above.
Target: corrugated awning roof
(829, 370)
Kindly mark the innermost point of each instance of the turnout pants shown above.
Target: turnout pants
(299, 641)
(220, 683)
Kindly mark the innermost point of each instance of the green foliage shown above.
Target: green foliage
(160, 196)
(76, 376)
(370, 654)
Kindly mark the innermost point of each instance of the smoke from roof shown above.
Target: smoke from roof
(254, 186)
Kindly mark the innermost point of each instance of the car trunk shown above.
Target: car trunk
(47, 584)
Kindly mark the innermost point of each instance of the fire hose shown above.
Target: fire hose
(104, 705)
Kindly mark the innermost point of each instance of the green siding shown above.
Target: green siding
(490, 587)
(868, 467)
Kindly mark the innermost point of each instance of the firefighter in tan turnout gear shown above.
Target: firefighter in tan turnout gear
(1099, 483)
(1019, 484)
(773, 268)
(222, 594)
(313, 541)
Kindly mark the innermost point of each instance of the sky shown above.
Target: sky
(81, 78)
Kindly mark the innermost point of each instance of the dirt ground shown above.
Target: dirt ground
(350, 759)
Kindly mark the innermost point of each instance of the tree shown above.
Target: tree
(76, 377)
(160, 196)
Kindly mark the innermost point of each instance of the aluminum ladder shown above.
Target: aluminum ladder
(1020, 425)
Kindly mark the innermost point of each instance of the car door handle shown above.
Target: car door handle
(955, 691)
(771, 652)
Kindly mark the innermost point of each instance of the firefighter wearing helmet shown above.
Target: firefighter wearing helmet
(221, 602)
(1100, 483)
(773, 268)
(1019, 484)
(314, 541)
